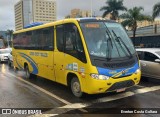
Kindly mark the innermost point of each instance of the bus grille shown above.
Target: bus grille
(120, 85)
(120, 64)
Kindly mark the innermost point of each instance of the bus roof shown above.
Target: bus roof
(88, 19)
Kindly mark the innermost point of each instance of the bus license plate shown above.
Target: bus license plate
(120, 90)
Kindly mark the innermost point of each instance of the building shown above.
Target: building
(147, 23)
(29, 11)
(77, 13)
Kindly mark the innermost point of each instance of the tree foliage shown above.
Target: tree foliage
(113, 7)
(156, 10)
(132, 16)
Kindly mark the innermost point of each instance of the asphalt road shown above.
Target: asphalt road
(54, 99)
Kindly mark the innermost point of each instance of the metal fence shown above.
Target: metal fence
(146, 37)
(146, 31)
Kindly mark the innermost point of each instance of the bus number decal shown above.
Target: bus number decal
(38, 54)
(72, 66)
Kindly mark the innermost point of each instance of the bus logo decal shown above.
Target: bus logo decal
(32, 62)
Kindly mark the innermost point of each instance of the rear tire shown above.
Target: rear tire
(76, 87)
(9, 64)
(27, 73)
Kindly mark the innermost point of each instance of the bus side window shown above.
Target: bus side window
(47, 39)
(60, 40)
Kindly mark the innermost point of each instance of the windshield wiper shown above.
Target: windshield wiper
(119, 40)
(109, 45)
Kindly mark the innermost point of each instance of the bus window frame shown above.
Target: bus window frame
(77, 33)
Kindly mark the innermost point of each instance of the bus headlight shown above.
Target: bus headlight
(99, 77)
(137, 71)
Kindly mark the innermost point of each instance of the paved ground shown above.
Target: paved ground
(57, 100)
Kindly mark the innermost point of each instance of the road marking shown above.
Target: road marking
(140, 86)
(42, 90)
(69, 106)
(45, 91)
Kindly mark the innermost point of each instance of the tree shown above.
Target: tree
(68, 16)
(9, 33)
(132, 16)
(156, 10)
(113, 7)
(156, 13)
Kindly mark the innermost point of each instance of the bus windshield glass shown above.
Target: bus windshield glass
(107, 40)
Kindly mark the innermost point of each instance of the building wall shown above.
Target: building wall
(147, 23)
(76, 13)
(18, 15)
(29, 11)
(44, 11)
(86, 13)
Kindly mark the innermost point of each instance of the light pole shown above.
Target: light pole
(91, 7)
(7, 33)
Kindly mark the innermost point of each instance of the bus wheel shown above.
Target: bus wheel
(76, 87)
(27, 73)
(15, 69)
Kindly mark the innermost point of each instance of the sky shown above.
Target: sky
(7, 20)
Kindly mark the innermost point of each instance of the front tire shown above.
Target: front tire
(76, 87)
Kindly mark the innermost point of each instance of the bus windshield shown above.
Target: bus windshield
(107, 40)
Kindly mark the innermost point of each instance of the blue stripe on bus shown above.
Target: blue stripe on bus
(32, 62)
(111, 73)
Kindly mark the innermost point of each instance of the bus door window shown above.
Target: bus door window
(69, 42)
(60, 36)
(73, 43)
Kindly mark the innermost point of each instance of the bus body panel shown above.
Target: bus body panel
(39, 62)
(56, 66)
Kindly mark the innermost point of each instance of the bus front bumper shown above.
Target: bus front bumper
(94, 86)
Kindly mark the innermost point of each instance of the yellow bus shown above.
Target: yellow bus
(88, 55)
